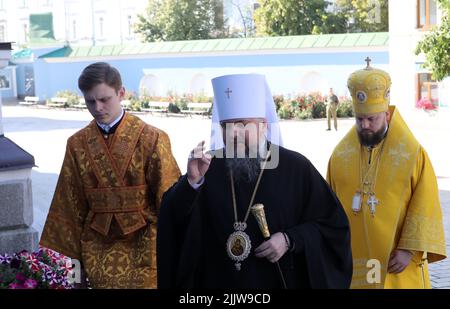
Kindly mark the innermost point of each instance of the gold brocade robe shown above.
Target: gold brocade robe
(408, 215)
(105, 208)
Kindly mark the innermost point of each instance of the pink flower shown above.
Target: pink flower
(15, 286)
(30, 284)
(53, 255)
(23, 253)
(33, 262)
(426, 104)
(20, 277)
(51, 267)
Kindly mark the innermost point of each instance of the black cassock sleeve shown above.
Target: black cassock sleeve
(178, 237)
(323, 237)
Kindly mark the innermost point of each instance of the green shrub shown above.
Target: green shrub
(285, 111)
(303, 114)
(135, 102)
(345, 108)
(319, 110)
(72, 97)
(279, 100)
(136, 105)
(201, 98)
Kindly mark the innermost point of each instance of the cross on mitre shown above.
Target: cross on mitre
(368, 60)
(228, 91)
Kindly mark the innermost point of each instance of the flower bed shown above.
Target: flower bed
(426, 104)
(43, 269)
(300, 106)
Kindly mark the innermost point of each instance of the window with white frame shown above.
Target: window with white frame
(426, 13)
(427, 88)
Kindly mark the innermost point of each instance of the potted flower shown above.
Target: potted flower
(43, 269)
(426, 104)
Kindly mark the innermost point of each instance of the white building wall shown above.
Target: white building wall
(402, 41)
(81, 22)
(289, 82)
(403, 63)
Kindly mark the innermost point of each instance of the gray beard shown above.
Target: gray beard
(244, 169)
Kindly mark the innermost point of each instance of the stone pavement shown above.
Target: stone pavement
(440, 271)
(44, 132)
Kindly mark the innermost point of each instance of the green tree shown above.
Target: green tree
(149, 25)
(365, 15)
(297, 17)
(219, 30)
(436, 45)
(332, 22)
(173, 20)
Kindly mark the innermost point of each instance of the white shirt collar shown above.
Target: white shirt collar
(107, 127)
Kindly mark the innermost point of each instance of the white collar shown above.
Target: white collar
(107, 127)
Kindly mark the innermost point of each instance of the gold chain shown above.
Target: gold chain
(376, 164)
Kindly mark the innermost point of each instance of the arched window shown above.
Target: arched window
(200, 84)
(313, 82)
(150, 86)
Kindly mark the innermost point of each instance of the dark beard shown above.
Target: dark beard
(370, 140)
(244, 169)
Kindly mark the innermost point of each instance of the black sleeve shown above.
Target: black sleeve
(178, 223)
(179, 199)
(323, 237)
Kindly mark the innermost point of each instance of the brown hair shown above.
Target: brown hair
(98, 73)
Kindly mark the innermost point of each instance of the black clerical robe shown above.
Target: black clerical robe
(194, 226)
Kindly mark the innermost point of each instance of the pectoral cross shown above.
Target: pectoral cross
(368, 60)
(228, 91)
(372, 202)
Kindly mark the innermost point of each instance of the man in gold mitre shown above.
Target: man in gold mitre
(387, 185)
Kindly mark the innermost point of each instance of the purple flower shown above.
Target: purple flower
(5, 259)
(32, 269)
(30, 284)
(51, 277)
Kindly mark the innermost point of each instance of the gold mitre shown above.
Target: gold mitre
(370, 89)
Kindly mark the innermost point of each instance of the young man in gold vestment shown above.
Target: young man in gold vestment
(106, 204)
(387, 185)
